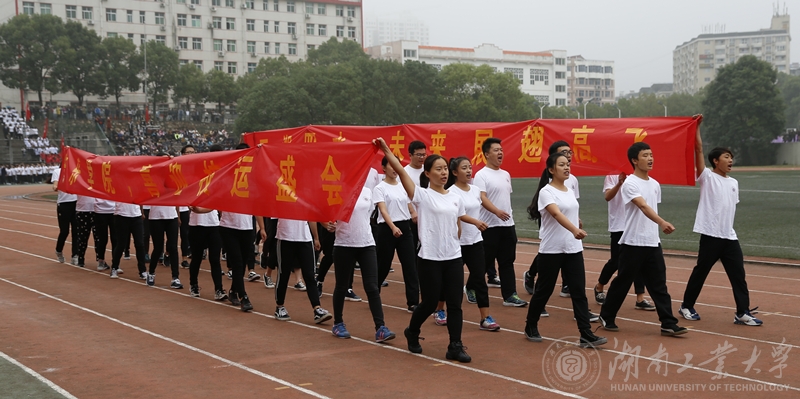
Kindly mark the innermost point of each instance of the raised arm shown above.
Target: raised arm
(699, 161)
(405, 179)
(612, 192)
(651, 214)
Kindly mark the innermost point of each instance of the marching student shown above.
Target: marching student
(500, 238)
(204, 233)
(65, 209)
(297, 241)
(354, 243)
(556, 209)
(238, 239)
(719, 194)
(270, 251)
(471, 241)
(616, 223)
(183, 214)
(440, 266)
(128, 222)
(164, 219)
(84, 217)
(640, 245)
(417, 152)
(394, 232)
(102, 229)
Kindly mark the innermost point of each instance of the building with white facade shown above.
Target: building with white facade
(589, 80)
(228, 35)
(380, 30)
(695, 63)
(541, 74)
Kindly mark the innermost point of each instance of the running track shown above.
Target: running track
(97, 338)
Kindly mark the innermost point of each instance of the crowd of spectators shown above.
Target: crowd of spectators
(27, 173)
(137, 139)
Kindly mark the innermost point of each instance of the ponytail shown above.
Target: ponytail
(533, 208)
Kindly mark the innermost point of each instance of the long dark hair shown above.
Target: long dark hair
(533, 208)
(454, 163)
(424, 181)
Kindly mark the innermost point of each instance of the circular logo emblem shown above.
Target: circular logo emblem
(568, 367)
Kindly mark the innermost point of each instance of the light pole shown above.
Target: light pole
(618, 110)
(541, 110)
(585, 103)
(665, 108)
(576, 111)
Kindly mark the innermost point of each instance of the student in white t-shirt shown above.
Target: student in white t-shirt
(640, 246)
(238, 239)
(128, 222)
(500, 238)
(560, 248)
(204, 234)
(103, 229)
(65, 208)
(84, 218)
(440, 266)
(164, 220)
(354, 243)
(417, 152)
(616, 224)
(394, 233)
(719, 194)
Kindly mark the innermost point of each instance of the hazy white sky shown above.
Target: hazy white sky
(638, 35)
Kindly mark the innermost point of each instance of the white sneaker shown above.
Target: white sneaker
(101, 265)
(75, 260)
(114, 273)
(747, 319)
(60, 257)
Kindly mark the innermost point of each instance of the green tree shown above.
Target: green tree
(30, 47)
(191, 85)
(122, 67)
(80, 69)
(335, 52)
(478, 94)
(222, 88)
(744, 110)
(273, 104)
(161, 71)
(790, 91)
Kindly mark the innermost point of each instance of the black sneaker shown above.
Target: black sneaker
(673, 330)
(185, 264)
(493, 282)
(455, 351)
(532, 333)
(194, 291)
(413, 341)
(385, 283)
(321, 315)
(599, 296)
(608, 324)
(588, 339)
(645, 305)
(564, 292)
(234, 298)
(412, 308)
(527, 282)
(246, 305)
(319, 288)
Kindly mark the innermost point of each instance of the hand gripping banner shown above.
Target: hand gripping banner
(317, 182)
(599, 145)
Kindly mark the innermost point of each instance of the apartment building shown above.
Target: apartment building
(590, 80)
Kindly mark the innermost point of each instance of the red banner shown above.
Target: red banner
(600, 145)
(305, 182)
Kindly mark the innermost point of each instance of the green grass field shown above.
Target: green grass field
(766, 223)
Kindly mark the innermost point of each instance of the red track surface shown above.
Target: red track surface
(100, 338)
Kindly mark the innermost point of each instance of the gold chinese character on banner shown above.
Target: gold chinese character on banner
(331, 174)
(210, 167)
(204, 183)
(107, 184)
(639, 133)
(177, 177)
(240, 186)
(149, 184)
(531, 144)
(339, 139)
(287, 138)
(76, 173)
(437, 142)
(583, 152)
(287, 185)
(263, 141)
(310, 137)
(397, 145)
(89, 170)
(480, 137)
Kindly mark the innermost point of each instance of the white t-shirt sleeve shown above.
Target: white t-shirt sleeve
(378, 194)
(545, 198)
(56, 175)
(630, 192)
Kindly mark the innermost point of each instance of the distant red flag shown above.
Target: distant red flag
(28, 112)
(46, 123)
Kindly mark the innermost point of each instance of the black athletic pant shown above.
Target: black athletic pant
(649, 262)
(85, 222)
(205, 237)
(613, 264)
(184, 232)
(729, 252)
(293, 255)
(387, 245)
(102, 229)
(436, 277)
(66, 221)
(124, 228)
(146, 232)
(474, 257)
(250, 260)
(271, 245)
(158, 227)
(501, 243)
(573, 274)
(345, 259)
(239, 245)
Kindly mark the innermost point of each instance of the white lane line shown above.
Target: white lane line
(31, 214)
(326, 331)
(170, 340)
(38, 376)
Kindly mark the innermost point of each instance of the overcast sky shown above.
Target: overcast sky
(638, 35)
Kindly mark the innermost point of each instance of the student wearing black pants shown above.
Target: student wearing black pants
(84, 217)
(103, 229)
(269, 257)
(127, 223)
(238, 239)
(640, 245)
(250, 259)
(164, 220)
(204, 233)
(440, 266)
(186, 248)
(65, 208)
(146, 232)
(355, 243)
(326, 239)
